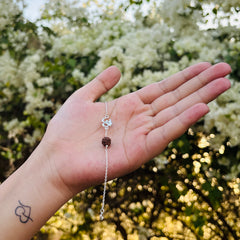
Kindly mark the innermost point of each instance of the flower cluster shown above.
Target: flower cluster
(8, 12)
(225, 117)
(24, 81)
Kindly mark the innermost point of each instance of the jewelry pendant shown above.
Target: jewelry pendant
(106, 122)
(106, 141)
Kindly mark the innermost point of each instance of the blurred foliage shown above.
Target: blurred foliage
(190, 191)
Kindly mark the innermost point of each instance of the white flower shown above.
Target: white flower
(14, 127)
(44, 81)
(8, 9)
(160, 161)
(33, 138)
(8, 70)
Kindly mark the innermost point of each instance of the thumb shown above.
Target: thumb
(100, 84)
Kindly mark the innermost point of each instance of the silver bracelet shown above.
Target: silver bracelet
(106, 141)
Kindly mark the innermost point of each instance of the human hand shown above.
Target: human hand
(144, 122)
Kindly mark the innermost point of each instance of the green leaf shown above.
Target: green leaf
(215, 11)
(71, 62)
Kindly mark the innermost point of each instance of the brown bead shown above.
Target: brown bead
(106, 141)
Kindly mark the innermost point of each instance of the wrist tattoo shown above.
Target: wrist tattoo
(23, 212)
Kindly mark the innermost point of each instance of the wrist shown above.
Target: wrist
(45, 157)
(33, 185)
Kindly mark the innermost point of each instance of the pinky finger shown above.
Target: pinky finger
(160, 137)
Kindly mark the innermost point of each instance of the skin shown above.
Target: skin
(71, 158)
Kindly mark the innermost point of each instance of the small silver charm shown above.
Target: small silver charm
(106, 122)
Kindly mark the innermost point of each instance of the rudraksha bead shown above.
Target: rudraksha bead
(106, 141)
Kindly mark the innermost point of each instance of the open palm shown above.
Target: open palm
(144, 122)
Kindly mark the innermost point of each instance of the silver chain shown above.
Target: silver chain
(105, 184)
(106, 123)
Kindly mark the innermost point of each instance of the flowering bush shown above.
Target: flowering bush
(43, 62)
